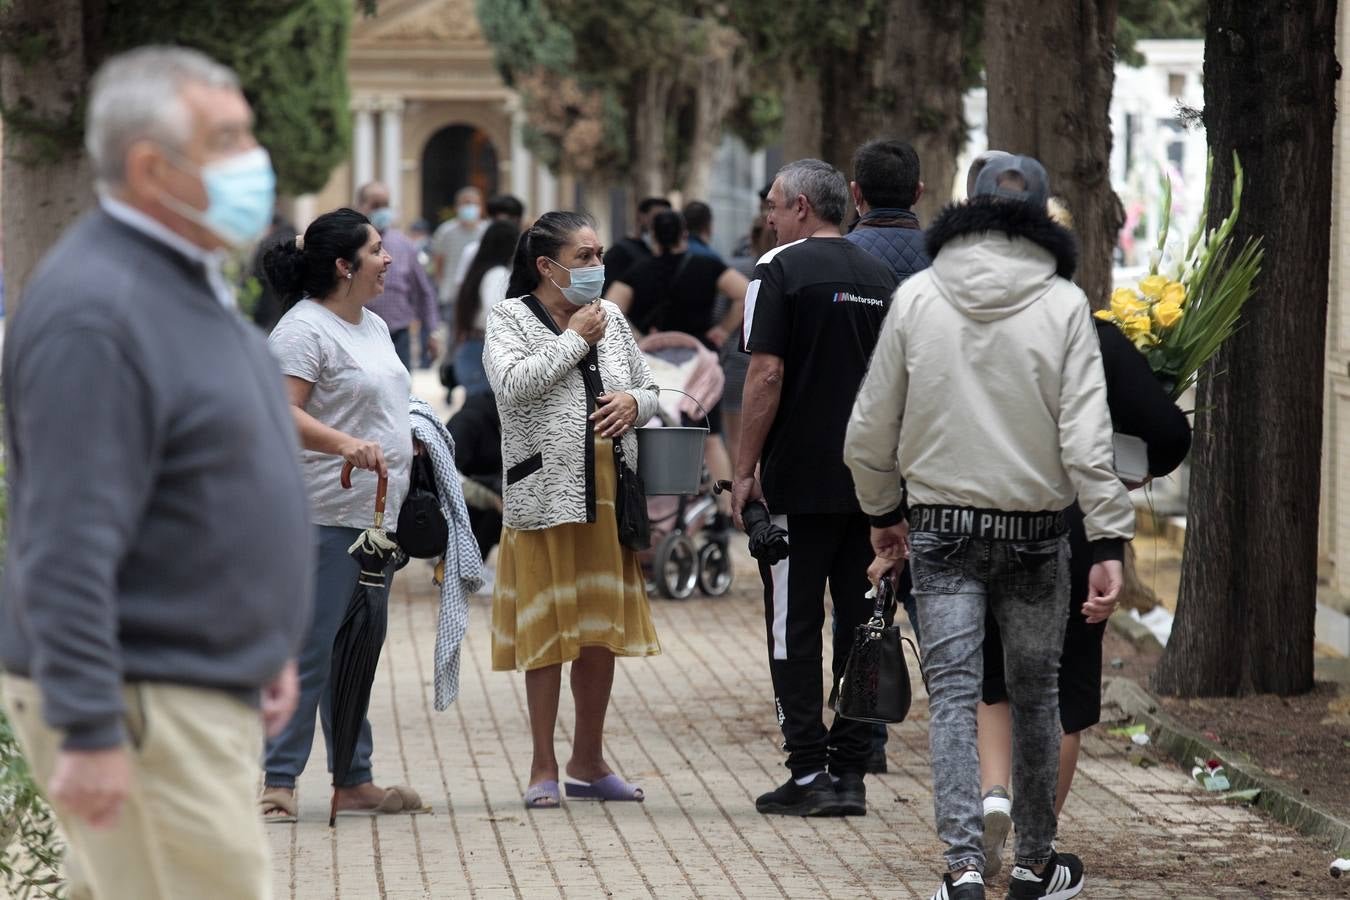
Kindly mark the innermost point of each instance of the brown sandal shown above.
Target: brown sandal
(274, 799)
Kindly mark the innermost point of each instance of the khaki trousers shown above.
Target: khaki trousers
(190, 827)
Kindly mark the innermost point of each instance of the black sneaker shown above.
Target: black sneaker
(852, 794)
(1062, 879)
(876, 762)
(815, 798)
(970, 886)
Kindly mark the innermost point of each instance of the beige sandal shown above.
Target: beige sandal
(274, 799)
(398, 800)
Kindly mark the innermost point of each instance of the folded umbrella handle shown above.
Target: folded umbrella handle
(381, 489)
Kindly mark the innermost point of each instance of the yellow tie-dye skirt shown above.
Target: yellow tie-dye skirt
(571, 586)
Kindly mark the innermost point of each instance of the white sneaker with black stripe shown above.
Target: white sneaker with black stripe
(970, 886)
(1062, 879)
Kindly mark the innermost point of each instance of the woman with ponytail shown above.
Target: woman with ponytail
(571, 385)
(349, 397)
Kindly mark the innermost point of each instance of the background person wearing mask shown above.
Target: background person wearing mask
(504, 208)
(157, 582)
(408, 294)
(483, 288)
(629, 250)
(449, 241)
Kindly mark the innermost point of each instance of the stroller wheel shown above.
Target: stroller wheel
(675, 567)
(714, 569)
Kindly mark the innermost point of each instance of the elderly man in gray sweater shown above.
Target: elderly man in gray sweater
(157, 580)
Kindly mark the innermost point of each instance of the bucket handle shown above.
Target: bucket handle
(707, 420)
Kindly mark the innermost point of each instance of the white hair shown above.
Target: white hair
(136, 96)
(820, 183)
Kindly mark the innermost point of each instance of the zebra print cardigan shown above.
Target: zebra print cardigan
(548, 451)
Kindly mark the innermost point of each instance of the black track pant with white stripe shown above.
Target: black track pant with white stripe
(825, 548)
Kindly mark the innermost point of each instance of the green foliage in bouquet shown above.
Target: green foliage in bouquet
(1191, 301)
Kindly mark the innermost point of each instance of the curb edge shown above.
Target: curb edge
(1279, 800)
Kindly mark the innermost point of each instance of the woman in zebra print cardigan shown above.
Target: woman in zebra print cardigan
(567, 590)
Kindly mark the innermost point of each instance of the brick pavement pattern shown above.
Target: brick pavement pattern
(695, 727)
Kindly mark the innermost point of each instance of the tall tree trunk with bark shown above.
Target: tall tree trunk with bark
(45, 46)
(1050, 69)
(714, 89)
(648, 113)
(1245, 617)
(802, 137)
(923, 72)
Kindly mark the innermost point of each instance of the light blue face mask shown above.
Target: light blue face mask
(587, 283)
(241, 192)
(382, 218)
(469, 212)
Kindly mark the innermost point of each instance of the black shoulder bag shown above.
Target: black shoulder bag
(422, 530)
(875, 684)
(630, 496)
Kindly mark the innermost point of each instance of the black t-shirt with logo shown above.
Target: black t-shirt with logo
(819, 304)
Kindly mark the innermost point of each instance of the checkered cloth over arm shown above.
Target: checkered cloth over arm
(463, 564)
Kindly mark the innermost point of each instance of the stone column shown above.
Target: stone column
(520, 154)
(363, 143)
(391, 151)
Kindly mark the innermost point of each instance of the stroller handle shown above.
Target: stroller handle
(381, 489)
(707, 420)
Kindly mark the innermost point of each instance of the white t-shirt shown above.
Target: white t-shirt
(449, 242)
(491, 291)
(360, 388)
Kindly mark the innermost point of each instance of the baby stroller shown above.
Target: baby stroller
(689, 536)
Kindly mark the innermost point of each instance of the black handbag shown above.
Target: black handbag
(422, 530)
(875, 683)
(630, 496)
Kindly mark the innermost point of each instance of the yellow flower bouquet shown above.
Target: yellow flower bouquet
(1180, 319)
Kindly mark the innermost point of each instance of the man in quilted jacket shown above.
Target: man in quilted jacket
(886, 186)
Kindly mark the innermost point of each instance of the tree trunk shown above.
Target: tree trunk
(802, 138)
(923, 73)
(1050, 69)
(43, 72)
(1245, 617)
(714, 92)
(651, 107)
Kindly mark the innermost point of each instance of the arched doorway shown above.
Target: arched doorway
(456, 156)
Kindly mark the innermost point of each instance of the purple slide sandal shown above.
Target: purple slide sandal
(543, 795)
(611, 787)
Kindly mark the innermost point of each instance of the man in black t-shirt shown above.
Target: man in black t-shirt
(812, 316)
(629, 250)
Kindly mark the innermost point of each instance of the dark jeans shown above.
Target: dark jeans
(833, 549)
(288, 752)
(1026, 584)
(403, 346)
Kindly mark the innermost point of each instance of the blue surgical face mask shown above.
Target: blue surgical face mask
(241, 192)
(382, 218)
(586, 285)
(469, 212)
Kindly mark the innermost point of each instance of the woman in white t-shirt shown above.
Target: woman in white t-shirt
(484, 287)
(349, 397)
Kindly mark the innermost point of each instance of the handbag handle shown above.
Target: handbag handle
(381, 489)
(885, 603)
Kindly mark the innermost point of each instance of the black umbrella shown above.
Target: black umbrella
(356, 648)
(768, 542)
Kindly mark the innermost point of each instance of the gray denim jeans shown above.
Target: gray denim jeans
(1026, 585)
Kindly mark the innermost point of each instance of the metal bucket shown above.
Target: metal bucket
(670, 459)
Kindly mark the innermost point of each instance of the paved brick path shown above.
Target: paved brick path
(695, 727)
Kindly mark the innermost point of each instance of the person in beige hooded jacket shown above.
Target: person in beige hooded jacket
(982, 417)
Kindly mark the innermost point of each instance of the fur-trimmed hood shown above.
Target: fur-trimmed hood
(992, 258)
